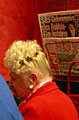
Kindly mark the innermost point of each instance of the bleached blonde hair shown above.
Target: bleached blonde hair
(26, 57)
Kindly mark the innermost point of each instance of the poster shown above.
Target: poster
(59, 24)
(61, 52)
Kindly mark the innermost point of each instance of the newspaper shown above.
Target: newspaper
(60, 37)
(61, 52)
(59, 24)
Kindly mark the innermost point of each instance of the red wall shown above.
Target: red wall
(19, 20)
(11, 28)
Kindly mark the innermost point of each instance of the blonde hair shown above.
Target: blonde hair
(26, 57)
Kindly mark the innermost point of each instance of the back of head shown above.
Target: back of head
(27, 57)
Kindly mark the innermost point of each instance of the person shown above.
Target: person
(71, 30)
(33, 82)
(8, 106)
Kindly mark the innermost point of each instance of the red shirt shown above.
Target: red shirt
(48, 103)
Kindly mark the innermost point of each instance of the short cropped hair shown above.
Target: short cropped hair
(27, 57)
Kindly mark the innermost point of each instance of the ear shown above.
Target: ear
(33, 77)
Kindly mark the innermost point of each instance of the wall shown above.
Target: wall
(11, 28)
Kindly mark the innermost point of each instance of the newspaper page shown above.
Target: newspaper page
(61, 52)
(59, 24)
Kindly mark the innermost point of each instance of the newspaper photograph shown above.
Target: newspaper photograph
(61, 52)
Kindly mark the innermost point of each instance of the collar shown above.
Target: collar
(42, 88)
(37, 88)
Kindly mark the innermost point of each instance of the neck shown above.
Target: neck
(43, 81)
(39, 86)
(46, 78)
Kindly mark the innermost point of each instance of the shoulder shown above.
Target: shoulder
(32, 110)
(33, 103)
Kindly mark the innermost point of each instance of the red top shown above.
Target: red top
(48, 103)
